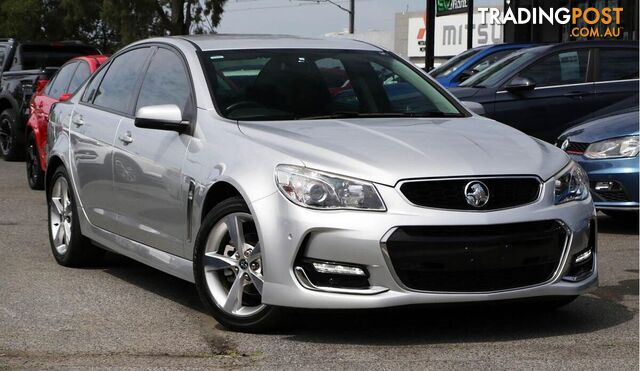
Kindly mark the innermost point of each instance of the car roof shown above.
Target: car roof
(244, 41)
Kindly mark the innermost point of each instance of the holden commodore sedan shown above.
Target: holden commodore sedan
(280, 172)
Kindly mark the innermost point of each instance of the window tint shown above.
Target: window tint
(568, 67)
(343, 98)
(402, 96)
(485, 62)
(289, 84)
(620, 64)
(91, 89)
(61, 82)
(166, 82)
(81, 75)
(117, 87)
(454, 63)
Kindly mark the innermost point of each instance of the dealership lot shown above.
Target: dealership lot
(122, 313)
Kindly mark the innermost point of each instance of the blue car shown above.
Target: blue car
(607, 148)
(464, 65)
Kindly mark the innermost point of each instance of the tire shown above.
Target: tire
(11, 137)
(70, 248)
(35, 174)
(224, 270)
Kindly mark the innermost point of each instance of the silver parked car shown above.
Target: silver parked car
(310, 173)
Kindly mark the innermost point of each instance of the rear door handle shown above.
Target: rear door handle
(126, 138)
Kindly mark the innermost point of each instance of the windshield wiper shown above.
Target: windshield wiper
(348, 114)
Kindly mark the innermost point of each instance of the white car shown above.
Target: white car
(310, 173)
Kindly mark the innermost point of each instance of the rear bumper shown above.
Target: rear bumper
(289, 232)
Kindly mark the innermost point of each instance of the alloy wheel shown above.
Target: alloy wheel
(233, 266)
(61, 215)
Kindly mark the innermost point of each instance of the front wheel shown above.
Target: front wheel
(228, 268)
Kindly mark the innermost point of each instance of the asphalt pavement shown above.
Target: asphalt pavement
(122, 314)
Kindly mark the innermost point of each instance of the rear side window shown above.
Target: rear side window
(81, 75)
(618, 64)
(567, 67)
(90, 91)
(117, 87)
(59, 85)
(166, 82)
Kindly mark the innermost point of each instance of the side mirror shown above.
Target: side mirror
(520, 84)
(65, 97)
(474, 107)
(162, 117)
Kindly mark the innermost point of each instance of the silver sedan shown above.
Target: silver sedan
(310, 173)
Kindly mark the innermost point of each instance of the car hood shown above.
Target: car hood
(609, 127)
(386, 150)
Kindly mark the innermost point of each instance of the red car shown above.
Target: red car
(61, 87)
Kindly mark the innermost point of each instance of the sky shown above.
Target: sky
(309, 18)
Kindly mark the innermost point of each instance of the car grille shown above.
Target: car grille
(613, 196)
(449, 193)
(476, 258)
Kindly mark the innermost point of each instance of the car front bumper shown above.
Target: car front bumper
(622, 171)
(288, 231)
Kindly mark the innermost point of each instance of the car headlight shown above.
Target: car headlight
(613, 148)
(319, 190)
(572, 184)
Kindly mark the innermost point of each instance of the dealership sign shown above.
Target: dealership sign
(450, 35)
(445, 7)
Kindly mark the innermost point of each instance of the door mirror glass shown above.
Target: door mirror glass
(161, 117)
(474, 107)
(519, 83)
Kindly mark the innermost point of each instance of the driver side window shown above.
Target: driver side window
(562, 68)
(166, 82)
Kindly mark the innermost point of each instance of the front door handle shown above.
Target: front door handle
(126, 138)
(77, 120)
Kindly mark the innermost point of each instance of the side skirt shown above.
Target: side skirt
(171, 264)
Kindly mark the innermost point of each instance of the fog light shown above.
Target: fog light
(582, 257)
(338, 269)
(603, 186)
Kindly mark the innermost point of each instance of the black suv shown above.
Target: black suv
(543, 90)
(24, 68)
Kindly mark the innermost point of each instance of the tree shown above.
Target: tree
(108, 24)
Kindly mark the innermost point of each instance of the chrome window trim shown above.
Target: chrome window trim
(556, 276)
(470, 179)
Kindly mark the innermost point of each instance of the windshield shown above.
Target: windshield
(500, 70)
(292, 84)
(39, 56)
(448, 67)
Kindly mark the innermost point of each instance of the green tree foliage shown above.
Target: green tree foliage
(108, 24)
